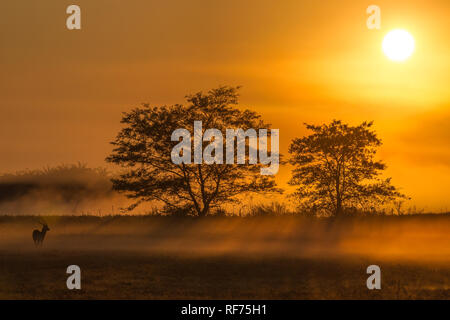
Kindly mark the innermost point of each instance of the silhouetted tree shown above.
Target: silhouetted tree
(144, 148)
(335, 168)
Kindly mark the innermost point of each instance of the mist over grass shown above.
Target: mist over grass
(227, 257)
(423, 236)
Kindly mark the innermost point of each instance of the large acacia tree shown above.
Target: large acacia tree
(144, 145)
(335, 169)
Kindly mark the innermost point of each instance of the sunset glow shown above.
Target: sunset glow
(398, 45)
(225, 155)
(63, 91)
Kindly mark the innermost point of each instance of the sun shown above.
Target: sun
(398, 45)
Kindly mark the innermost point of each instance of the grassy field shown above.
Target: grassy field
(227, 258)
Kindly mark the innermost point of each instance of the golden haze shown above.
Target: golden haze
(298, 61)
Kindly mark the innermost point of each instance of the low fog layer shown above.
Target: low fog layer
(421, 237)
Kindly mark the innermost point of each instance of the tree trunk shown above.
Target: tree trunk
(338, 198)
(338, 207)
(204, 211)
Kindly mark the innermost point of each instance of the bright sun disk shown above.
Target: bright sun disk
(398, 45)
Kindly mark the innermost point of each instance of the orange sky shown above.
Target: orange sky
(298, 61)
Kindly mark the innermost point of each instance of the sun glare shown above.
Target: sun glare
(398, 45)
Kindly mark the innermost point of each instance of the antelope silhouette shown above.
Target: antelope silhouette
(38, 236)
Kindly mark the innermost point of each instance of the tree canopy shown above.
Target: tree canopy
(335, 169)
(143, 148)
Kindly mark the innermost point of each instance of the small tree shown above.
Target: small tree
(144, 148)
(335, 169)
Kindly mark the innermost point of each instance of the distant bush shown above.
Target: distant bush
(53, 188)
